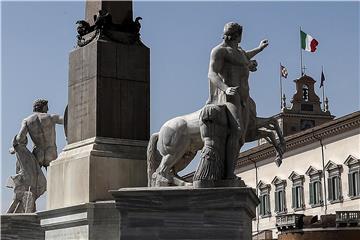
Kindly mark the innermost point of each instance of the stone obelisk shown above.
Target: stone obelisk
(108, 116)
(107, 125)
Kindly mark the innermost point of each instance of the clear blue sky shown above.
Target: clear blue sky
(38, 36)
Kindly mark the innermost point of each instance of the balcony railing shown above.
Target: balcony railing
(289, 221)
(347, 218)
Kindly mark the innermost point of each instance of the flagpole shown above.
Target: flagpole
(280, 87)
(301, 60)
(323, 89)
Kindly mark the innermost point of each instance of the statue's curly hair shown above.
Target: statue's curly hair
(230, 29)
(39, 104)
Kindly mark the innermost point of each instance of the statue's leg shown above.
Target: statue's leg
(234, 140)
(13, 206)
(19, 208)
(272, 124)
(164, 176)
(270, 138)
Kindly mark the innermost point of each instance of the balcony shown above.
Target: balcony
(289, 221)
(347, 218)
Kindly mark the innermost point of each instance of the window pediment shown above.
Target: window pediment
(313, 171)
(262, 186)
(331, 166)
(351, 161)
(278, 181)
(294, 176)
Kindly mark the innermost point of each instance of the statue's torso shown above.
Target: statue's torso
(41, 131)
(235, 71)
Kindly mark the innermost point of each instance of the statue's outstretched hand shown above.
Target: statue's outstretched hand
(231, 91)
(263, 44)
(12, 150)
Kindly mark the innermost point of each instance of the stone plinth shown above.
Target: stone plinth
(91, 221)
(85, 171)
(24, 226)
(333, 233)
(186, 213)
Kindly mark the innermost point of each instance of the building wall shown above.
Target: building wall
(336, 149)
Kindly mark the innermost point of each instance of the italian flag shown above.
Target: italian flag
(308, 43)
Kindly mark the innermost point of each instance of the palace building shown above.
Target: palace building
(320, 172)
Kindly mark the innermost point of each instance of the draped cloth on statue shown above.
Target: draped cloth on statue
(28, 173)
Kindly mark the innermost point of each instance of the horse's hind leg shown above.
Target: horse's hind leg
(164, 175)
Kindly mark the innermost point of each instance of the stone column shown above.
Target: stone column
(108, 115)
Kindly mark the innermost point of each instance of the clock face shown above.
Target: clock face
(306, 123)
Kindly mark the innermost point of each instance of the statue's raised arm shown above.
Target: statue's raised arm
(251, 53)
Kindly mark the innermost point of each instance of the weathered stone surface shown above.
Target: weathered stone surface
(85, 171)
(118, 9)
(90, 221)
(24, 226)
(29, 183)
(109, 92)
(185, 213)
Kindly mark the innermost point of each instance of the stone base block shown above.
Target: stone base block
(85, 171)
(186, 213)
(24, 226)
(90, 221)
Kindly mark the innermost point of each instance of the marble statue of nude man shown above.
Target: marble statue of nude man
(229, 70)
(41, 127)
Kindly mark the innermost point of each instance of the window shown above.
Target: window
(280, 202)
(297, 191)
(315, 187)
(264, 197)
(334, 182)
(305, 90)
(297, 197)
(353, 176)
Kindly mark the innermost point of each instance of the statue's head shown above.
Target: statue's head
(232, 32)
(40, 105)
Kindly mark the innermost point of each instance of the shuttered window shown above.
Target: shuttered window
(353, 176)
(315, 193)
(264, 197)
(280, 201)
(334, 189)
(265, 205)
(297, 197)
(354, 183)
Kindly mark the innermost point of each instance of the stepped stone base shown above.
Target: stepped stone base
(24, 226)
(186, 213)
(90, 221)
(85, 171)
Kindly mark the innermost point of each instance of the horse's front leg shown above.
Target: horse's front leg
(270, 138)
(280, 134)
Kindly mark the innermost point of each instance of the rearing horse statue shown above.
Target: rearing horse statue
(176, 144)
(179, 139)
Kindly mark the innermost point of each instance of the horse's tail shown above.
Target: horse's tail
(153, 157)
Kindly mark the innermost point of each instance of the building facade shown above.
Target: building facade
(319, 173)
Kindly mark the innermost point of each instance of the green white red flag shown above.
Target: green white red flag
(308, 43)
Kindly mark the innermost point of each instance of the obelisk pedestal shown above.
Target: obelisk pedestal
(107, 128)
(21, 226)
(108, 124)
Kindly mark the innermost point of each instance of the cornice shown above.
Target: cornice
(298, 140)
